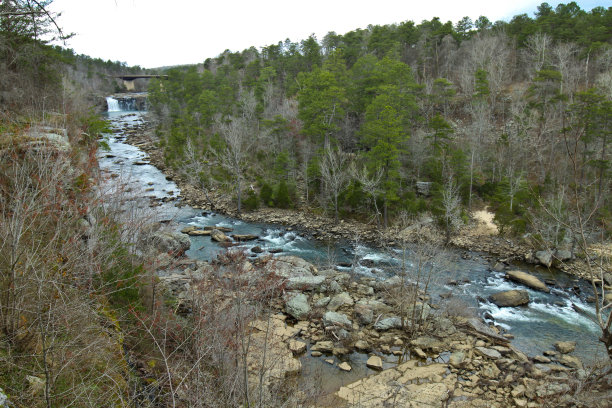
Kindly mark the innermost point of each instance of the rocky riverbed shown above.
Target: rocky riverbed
(415, 354)
(333, 317)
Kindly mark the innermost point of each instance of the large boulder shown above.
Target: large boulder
(291, 266)
(337, 319)
(388, 323)
(297, 306)
(364, 313)
(304, 283)
(340, 300)
(527, 280)
(510, 298)
(545, 258)
(565, 347)
(219, 236)
(170, 242)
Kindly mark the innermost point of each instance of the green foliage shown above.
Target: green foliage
(265, 194)
(251, 201)
(281, 196)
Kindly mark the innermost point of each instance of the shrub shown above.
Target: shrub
(281, 198)
(251, 202)
(266, 194)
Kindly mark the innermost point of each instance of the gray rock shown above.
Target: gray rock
(290, 267)
(563, 255)
(170, 242)
(489, 353)
(364, 313)
(4, 401)
(388, 323)
(304, 283)
(527, 280)
(322, 302)
(510, 298)
(334, 287)
(297, 306)
(445, 326)
(544, 257)
(340, 300)
(337, 319)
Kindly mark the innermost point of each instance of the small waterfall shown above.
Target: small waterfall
(113, 104)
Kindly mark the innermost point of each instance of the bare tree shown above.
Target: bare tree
(370, 184)
(334, 174)
(451, 205)
(233, 156)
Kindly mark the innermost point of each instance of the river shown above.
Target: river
(548, 318)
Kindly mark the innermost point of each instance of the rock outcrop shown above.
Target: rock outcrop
(527, 280)
(510, 298)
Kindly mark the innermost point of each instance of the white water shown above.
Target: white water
(113, 104)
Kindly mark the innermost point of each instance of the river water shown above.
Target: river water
(548, 317)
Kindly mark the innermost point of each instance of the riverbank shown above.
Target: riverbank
(479, 236)
(330, 319)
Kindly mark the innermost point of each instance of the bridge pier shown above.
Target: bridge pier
(129, 85)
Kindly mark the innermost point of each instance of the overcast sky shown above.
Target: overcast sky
(153, 33)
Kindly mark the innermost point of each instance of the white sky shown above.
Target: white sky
(153, 33)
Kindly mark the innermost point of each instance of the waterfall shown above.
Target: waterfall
(113, 104)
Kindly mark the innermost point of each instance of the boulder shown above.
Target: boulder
(388, 323)
(488, 353)
(544, 258)
(563, 255)
(364, 313)
(375, 363)
(297, 306)
(219, 236)
(337, 319)
(304, 283)
(527, 280)
(362, 345)
(565, 347)
(323, 347)
(170, 242)
(291, 266)
(340, 300)
(570, 361)
(322, 302)
(427, 343)
(244, 237)
(256, 249)
(510, 298)
(344, 366)
(198, 233)
(297, 347)
(457, 359)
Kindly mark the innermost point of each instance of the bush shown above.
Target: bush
(265, 194)
(281, 198)
(251, 202)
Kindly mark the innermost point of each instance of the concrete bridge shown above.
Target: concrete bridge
(128, 80)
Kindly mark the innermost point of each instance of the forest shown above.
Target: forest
(100, 306)
(512, 115)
